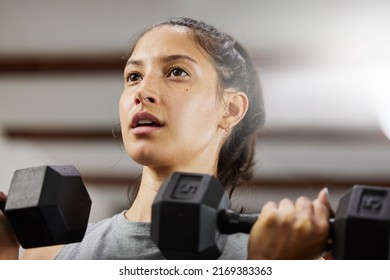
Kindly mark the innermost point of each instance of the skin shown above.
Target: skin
(291, 230)
(171, 78)
(9, 243)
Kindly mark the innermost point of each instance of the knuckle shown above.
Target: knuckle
(269, 205)
(303, 200)
(270, 215)
(286, 201)
(270, 218)
(304, 223)
(287, 218)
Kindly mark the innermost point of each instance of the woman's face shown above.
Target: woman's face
(169, 110)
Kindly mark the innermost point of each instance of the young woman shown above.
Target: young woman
(192, 102)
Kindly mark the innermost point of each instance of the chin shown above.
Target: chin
(149, 158)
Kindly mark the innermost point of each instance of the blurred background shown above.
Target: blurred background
(324, 67)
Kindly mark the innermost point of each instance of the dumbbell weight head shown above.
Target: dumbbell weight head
(361, 227)
(180, 226)
(48, 205)
(184, 217)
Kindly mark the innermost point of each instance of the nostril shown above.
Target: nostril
(149, 99)
(142, 98)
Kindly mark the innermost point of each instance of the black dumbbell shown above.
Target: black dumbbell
(191, 220)
(47, 205)
(361, 227)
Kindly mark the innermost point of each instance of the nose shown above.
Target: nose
(144, 99)
(147, 93)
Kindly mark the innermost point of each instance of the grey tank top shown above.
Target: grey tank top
(119, 239)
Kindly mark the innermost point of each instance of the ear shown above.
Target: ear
(235, 105)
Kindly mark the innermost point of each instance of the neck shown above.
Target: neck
(141, 209)
(154, 176)
(152, 179)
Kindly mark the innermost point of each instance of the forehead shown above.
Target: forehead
(168, 40)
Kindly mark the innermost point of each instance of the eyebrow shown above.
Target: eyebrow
(134, 62)
(164, 59)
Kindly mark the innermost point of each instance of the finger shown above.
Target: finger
(286, 214)
(268, 215)
(322, 213)
(286, 208)
(323, 197)
(304, 206)
(270, 205)
(286, 204)
(304, 216)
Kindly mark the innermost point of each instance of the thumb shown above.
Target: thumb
(324, 197)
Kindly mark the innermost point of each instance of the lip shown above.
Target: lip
(139, 130)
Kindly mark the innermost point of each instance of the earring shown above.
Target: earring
(227, 129)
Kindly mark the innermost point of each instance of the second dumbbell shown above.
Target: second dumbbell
(191, 217)
(47, 205)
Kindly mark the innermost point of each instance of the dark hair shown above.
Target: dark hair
(235, 70)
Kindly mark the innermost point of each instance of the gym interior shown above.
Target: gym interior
(323, 67)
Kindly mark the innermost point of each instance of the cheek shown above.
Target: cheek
(196, 115)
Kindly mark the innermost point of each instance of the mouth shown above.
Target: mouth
(145, 120)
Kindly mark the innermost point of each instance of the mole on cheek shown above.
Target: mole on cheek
(187, 89)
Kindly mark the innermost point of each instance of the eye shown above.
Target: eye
(177, 72)
(133, 77)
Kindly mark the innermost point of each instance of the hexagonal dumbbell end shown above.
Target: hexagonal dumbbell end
(48, 205)
(361, 227)
(184, 217)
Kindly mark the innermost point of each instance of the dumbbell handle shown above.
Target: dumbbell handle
(230, 222)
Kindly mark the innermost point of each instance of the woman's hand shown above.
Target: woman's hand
(291, 230)
(9, 245)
